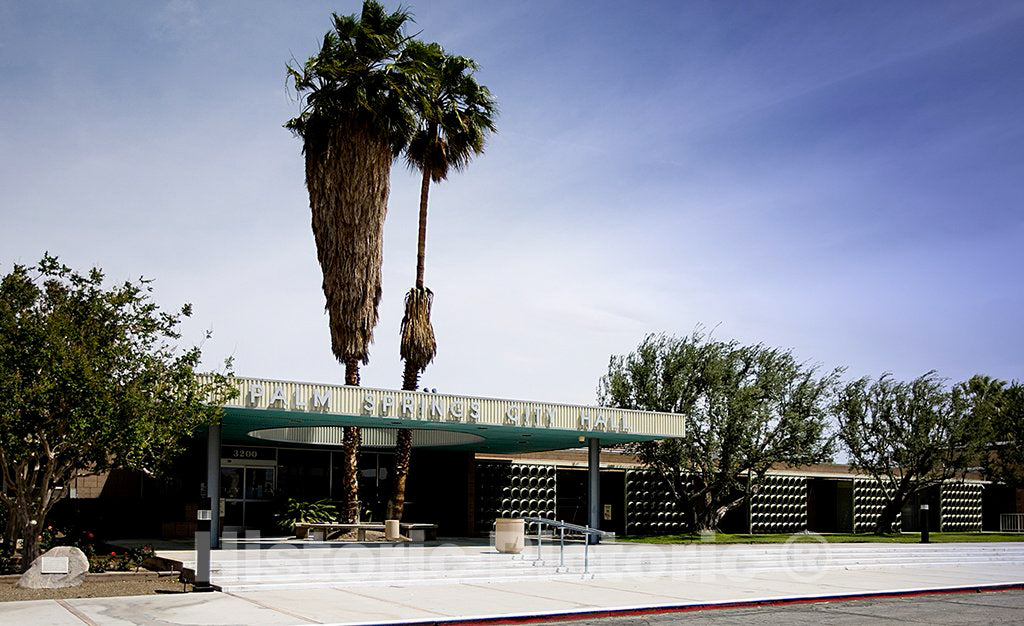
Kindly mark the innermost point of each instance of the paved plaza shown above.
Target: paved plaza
(730, 575)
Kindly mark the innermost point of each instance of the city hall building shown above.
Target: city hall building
(474, 460)
(283, 439)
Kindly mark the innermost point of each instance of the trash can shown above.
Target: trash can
(509, 535)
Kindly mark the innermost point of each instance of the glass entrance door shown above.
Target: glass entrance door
(248, 491)
(374, 483)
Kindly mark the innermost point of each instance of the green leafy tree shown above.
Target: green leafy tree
(357, 117)
(455, 116)
(1001, 407)
(909, 436)
(747, 409)
(91, 379)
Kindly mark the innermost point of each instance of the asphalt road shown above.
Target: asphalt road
(1000, 607)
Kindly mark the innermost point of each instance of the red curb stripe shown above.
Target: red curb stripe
(739, 604)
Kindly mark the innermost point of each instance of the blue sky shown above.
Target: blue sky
(844, 179)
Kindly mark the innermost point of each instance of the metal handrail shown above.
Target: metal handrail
(1011, 522)
(587, 531)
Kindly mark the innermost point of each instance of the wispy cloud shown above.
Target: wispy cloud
(837, 178)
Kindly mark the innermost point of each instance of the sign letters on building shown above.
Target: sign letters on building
(386, 405)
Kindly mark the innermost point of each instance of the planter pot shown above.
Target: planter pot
(509, 535)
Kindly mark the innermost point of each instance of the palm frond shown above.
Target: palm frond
(418, 345)
(357, 74)
(455, 114)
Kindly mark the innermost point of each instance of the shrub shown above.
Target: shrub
(123, 561)
(303, 511)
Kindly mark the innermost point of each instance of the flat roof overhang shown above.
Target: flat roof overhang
(273, 412)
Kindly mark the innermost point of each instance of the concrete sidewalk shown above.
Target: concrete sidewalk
(572, 594)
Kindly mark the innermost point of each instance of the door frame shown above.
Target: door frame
(244, 464)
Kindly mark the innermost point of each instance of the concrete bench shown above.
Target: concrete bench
(329, 530)
(419, 532)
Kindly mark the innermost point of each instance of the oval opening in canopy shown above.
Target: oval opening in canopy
(372, 437)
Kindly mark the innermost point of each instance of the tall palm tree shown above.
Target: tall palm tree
(455, 116)
(356, 119)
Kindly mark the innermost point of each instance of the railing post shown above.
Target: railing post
(561, 549)
(586, 531)
(1011, 522)
(586, 553)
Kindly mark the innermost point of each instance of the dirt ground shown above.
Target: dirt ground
(97, 586)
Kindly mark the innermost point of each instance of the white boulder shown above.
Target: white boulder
(63, 566)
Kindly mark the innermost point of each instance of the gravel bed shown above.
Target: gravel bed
(97, 586)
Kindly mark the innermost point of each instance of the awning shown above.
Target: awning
(273, 412)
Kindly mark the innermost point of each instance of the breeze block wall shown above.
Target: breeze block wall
(868, 502)
(960, 507)
(780, 505)
(506, 489)
(650, 507)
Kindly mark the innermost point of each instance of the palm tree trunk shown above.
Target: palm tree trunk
(347, 174)
(411, 375)
(352, 372)
(350, 450)
(348, 170)
(403, 452)
(421, 243)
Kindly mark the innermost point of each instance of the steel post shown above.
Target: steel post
(924, 524)
(586, 554)
(213, 482)
(201, 580)
(561, 548)
(594, 489)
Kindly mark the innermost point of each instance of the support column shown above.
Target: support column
(213, 482)
(594, 485)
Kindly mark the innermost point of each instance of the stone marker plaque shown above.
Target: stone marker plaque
(63, 566)
(55, 565)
